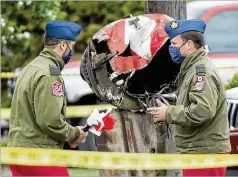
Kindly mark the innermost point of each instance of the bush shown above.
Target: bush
(5, 101)
(233, 82)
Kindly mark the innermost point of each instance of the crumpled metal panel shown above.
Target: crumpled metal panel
(144, 34)
(121, 52)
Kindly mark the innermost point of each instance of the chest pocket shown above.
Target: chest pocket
(185, 87)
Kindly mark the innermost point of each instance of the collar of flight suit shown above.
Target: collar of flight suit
(50, 54)
(193, 58)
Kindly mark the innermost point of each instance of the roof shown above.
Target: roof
(196, 9)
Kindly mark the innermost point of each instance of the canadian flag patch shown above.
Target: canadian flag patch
(200, 78)
(57, 88)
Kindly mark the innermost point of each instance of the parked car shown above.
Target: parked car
(232, 100)
(221, 33)
(221, 36)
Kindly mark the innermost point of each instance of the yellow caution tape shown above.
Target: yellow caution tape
(84, 111)
(5, 113)
(7, 75)
(72, 111)
(114, 160)
(227, 67)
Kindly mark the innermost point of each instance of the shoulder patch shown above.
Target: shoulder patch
(199, 86)
(57, 88)
(55, 71)
(200, 70)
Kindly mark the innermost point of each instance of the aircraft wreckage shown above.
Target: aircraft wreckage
(127, 64)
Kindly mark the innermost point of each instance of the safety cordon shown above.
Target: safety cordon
(8, 75)
(72, 111)
(114, 160)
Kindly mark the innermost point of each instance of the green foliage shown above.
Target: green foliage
(233, 82)
(5, 101)
(22, 27)
(23, 24)
(4, 143)
(93, 15)
(83, 172)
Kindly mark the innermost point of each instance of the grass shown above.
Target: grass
(83, 172)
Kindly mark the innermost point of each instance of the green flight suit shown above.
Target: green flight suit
(38, 108)
(200, 114)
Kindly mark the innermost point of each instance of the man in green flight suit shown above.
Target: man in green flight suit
(38, 108)
(200, 115)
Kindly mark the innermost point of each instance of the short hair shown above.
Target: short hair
(195, 36)
(52, 42)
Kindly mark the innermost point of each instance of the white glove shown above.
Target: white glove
(95, 118)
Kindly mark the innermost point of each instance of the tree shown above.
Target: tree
(96, 14)
(23, 23)
(22, 29)
(233, 83)
(174, 9)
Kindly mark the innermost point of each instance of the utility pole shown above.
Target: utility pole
(175, 9)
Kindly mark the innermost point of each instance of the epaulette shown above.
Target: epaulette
(55, 71)
(200, 70)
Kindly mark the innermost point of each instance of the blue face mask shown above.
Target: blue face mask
(67, 58)
(175, 54)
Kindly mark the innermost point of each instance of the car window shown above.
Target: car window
(221, 33)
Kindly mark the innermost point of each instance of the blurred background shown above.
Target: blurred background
(23, 23)
(22, 34)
